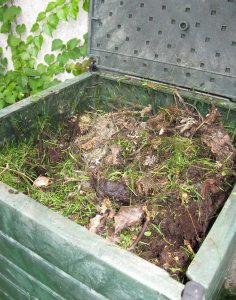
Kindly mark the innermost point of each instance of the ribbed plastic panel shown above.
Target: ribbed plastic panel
(187, 43)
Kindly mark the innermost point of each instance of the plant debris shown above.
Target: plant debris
(128, 216)
(41, 181)
(149, 183)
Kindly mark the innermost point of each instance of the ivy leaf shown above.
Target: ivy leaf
(75, 53)
(51, 83)
(35, 84)
(41, 16)
(38, 41)
(6, 27)
(21, 28)
(25, 55)
(2, 11)
(11, 12)
(56, 44)
(55, 69)
(50, 6)
(41, 68)
(74, 9)
(35, 27)
(53, 20)
(33, 51)
(10, 99)
(63, 58)
(63, 13)
(60, 2)
(49, 58)
(86, 5)
(71, 44)
(48, 29)
(31, 72)
(23, 80)
(13, 41)
(29, 40)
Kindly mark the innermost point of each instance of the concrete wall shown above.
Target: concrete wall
(65, 30)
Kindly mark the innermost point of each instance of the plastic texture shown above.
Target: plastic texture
(186, 42)
(46, 256)
(193, 291)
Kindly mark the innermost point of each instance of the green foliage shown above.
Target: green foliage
(20, 29)
(57, 44)
(49, 58)
(35, 27)
(86, 5)
(28, 77)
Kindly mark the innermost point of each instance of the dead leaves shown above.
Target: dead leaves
(146, 185)
(219, 142)
(95, 223)
(188, 126)
(114, 157)
(210, 186)
(41, 181)
(146, 110)
(128, 216)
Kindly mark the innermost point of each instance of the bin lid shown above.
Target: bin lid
(187, 43)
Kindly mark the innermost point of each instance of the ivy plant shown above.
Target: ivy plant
(27, 76)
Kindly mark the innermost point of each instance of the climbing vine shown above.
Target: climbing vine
(27, 76)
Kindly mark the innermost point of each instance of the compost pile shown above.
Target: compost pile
(152, 184)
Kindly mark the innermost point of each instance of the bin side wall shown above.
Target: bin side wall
(39, 243)
(220, 242)
(24, 118)
(211, 263)
(49, 256)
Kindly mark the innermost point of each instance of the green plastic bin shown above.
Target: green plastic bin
(187, 46)
(46, 256)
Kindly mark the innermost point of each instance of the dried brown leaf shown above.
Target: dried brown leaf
(212, 116)
(41, 181)
(113, 158)
(146, 110)
(95, 223)
(128, 216)
(219, 142)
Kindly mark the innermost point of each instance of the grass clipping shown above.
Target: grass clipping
(149, 183)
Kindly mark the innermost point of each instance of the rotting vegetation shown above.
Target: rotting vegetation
(152, 184)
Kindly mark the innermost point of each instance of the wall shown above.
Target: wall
(64, 31)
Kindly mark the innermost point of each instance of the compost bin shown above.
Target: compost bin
(186, 47)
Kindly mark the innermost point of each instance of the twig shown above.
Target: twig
(181, 100)
(145, 225)
(198, 238)
(5, 169)
(25, 177)
(67, 180)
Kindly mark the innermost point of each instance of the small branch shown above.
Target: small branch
(67, 180)
(198, 238)
(145, 225)
(25, 177)
(178, 97)
(5, 169)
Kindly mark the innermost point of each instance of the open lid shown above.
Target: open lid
(187, 43)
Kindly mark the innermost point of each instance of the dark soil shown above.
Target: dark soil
(152, 184)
